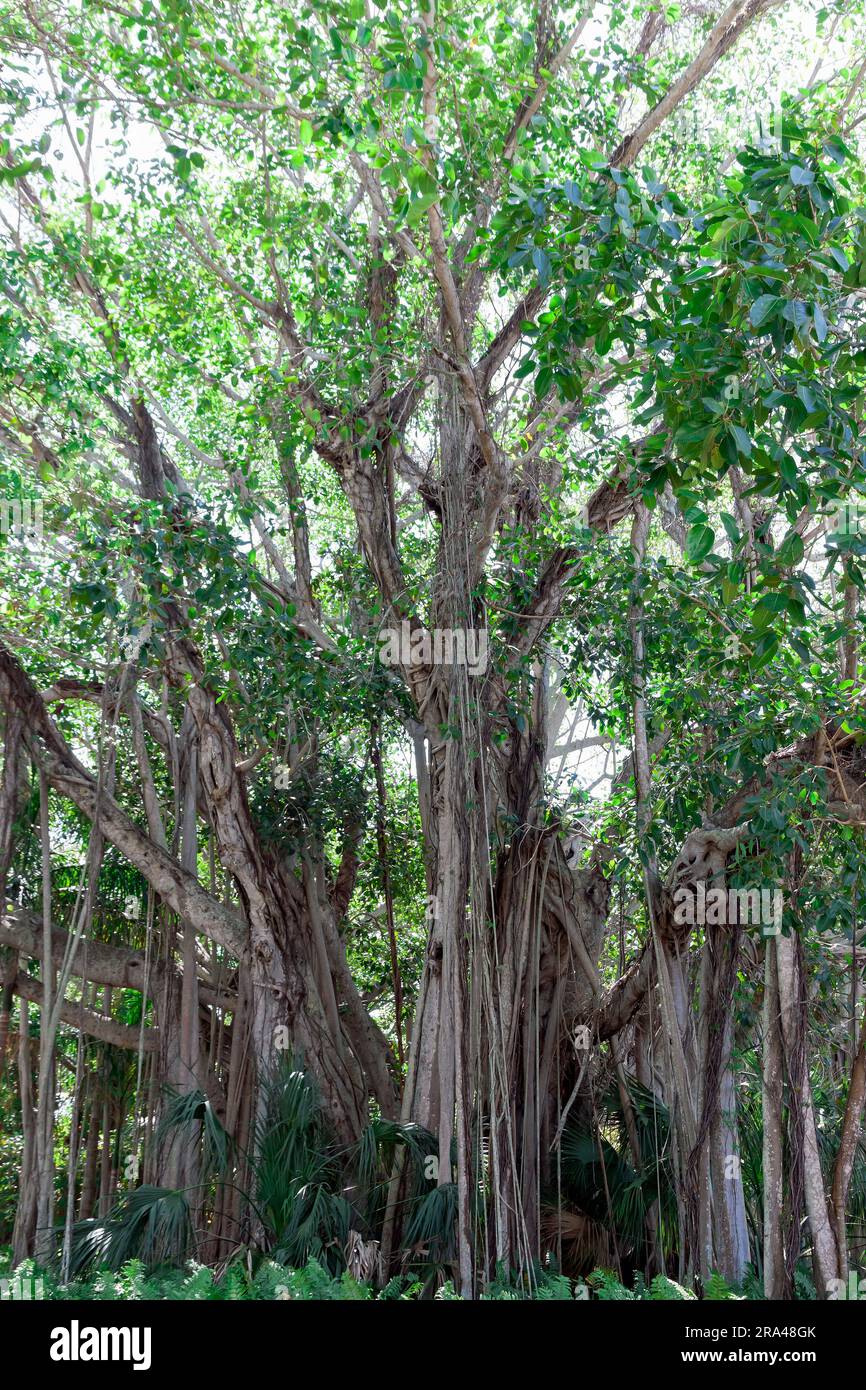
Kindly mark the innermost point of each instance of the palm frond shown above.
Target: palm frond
(151, 1224)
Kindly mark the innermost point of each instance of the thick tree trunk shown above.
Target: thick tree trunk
(729, 1199)
(722, 1238)
(526, 968)
(46, 1089)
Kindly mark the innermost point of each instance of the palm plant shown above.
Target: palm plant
(305, 1195)
(603, 1202)
(151, 1224)
(300, 1188)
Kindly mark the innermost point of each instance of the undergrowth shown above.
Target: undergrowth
(273, 1282)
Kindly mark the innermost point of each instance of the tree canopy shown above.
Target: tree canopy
(431, 628)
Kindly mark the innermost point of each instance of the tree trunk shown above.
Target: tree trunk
(792, 1004)
(46, 1089)
(775, 1278)
(25, 1213)
(91, 1153)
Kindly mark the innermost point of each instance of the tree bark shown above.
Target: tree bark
(825, 1252)
(775, 1278)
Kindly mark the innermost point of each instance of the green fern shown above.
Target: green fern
(605, 1285)
(717, 1289)
(664, 1290)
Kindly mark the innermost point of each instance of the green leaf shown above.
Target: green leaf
(699, 543)
(419, 206)
(541, 261)
(767, 608)
(792, 550)
(820, 322)
(806, 397)
(764, 307)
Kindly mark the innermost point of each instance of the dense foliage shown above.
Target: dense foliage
(431, 648)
